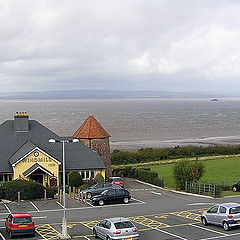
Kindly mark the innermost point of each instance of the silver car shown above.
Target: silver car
(116, 229)
(226, 215)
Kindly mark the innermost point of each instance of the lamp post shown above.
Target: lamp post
(64, 219)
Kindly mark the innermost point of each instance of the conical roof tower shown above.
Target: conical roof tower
(93, 135)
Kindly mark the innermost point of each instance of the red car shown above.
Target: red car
(117, 181)
(19, 224)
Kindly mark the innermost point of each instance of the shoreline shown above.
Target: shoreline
(135, 145)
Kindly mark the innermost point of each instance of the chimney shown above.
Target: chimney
(21, 122)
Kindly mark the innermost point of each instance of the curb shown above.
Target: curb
(174, 191)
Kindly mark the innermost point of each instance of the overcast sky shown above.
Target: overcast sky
(173, 45)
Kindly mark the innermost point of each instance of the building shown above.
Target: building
(27, 154)
(93, 135)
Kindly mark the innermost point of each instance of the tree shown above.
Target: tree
(75, 179)
(99, 178)
(187, 171)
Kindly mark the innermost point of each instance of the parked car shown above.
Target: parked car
(19, 224)
(116, 228)
(110, 196)
(117, 181)
(98, 189)
(226, 215)
(236, 187)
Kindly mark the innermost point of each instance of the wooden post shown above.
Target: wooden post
(82, 198)
(73, 192)
(61, 196)
(86, 198)
(79, 195)
(70, 192)
(58, 195)
(45, 196)
(66, 200)
(19, 198)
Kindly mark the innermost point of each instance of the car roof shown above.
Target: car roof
(117, 219)
(229, 205)
(21, 214)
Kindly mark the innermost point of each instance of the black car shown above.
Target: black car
(236, 187)
(111, 195)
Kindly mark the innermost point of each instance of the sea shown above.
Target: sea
(139, 122)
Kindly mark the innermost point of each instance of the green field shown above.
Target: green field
(216, 171)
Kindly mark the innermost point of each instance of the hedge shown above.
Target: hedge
(75, 179)
(29, 190)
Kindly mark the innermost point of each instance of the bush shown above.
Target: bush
(146, 175)
(2, 191)
(75, 179)
(158, 182)
(187, 171)
(29, 190)
(99, 178)
(51, 191)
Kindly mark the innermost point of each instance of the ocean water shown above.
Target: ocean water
(136, 123)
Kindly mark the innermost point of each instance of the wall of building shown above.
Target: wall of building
(43, 160)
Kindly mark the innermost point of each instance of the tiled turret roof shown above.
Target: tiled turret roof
(91, 129)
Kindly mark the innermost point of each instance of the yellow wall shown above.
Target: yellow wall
(102, 172)
(43, 160)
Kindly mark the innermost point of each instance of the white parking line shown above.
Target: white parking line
(170, 234)
(34, 206)
(87, 238)
(157, 193)
(196, 204)
(40, 217)
(2, 236)
(138, 200)
(59, 204)
(207, 229)
(226, 236)
(7, 208)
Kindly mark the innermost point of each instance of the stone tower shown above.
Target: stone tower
(93, 135)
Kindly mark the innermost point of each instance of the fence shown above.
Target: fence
(201, 188)
(223, 181)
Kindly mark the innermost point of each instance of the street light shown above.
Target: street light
(64, 220)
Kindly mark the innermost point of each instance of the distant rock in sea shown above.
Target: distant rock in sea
(214, 100)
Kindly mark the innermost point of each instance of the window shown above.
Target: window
(102, 223)
(111, 193)
(83, 175)
(108, 225)
(121, 225)
(22, 220)
(107, 185)
(87, 175)
(1, 177)
(119, 192)
(92, 174)
(100, 185)
(234, 210)
(213, 209)
(222, 210)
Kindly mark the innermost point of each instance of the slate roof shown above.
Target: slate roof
(91, 129)
(14, 145)
(34, 167)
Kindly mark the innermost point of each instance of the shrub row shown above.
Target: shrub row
(151, 155)
(29, 190)
(142, 174)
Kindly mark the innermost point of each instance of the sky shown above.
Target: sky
(166, 45)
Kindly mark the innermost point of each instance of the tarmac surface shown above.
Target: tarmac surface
(158, 214)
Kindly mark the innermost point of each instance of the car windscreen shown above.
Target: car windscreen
(234, 210)
(22, 220)
(117, 179)
(122, 225)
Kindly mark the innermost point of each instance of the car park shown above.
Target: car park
(117, 181)
(226, 215)
(116, 228)
(19, 224)
(236, 187)
(98, 189)
(110, 196)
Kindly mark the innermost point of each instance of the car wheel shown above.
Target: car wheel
(226, 226)
(10, 234)
(108, 238)
(126, 200)
(95, 233)
(101, 202)
(204, 221)
(33, 235)
(234, 189)
(89, 195)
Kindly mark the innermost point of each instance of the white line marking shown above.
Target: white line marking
(40, 217)
(59, 204)
(206, 229)
(138, 200)
(195, 204)
(87, 238)
(90, 204)
(229, 235)
(156, 193)
(7, 208)
(2, 236)
(34, 206)
(170, 234)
